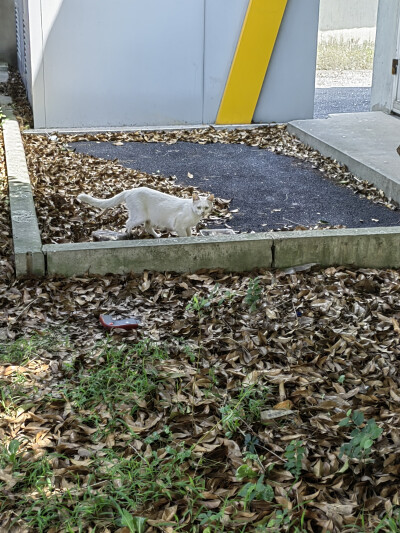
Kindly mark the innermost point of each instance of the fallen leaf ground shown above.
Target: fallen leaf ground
(264, 401)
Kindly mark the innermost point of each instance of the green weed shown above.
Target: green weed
(201, 304)
(13, 398)
(22, 350)
(256, 491)
(294, 454)
(126, 377)
(363, 435)
(66, 511)
(247, 407)
(253, 294)
(9, 453)
(284, 520)
(127, 485)
(390, 524)
(138, 480)
(135, 524)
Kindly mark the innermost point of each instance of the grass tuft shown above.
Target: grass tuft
(345, 55)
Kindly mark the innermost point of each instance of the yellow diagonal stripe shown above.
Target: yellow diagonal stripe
(253, 53)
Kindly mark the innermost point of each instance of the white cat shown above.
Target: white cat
(153, 208)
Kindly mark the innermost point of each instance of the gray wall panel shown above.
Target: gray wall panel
(288, 89)
(123, 62)
(223, 23)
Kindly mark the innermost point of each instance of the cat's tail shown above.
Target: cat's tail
(103, 204)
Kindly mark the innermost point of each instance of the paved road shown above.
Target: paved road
(269, 190)
(341, 100)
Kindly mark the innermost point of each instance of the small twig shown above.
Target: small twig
(258, 436)
(294, 222)
(101, 213)
(26, 307)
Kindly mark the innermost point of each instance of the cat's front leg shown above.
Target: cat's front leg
(181, 232)
(149, 228)
(188, 232)
(155, 234)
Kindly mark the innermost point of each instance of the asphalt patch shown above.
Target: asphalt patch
(341, 100)
(268, 191)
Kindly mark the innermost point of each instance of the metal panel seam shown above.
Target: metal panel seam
(43, 69)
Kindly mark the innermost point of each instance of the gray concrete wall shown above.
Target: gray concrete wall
(8, 43)
(386, 43)
(288, 92)
(347, 14)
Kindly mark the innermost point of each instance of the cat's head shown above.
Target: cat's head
(202, 205)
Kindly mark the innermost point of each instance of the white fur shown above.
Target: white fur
(153, 208)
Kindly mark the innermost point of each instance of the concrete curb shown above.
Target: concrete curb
(368, 248)
(3, 72)
(29, 258)
(186, 254)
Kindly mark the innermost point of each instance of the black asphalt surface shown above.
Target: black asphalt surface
(270, 191)
(341, 100)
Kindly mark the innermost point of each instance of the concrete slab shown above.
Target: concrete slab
(365, 142)
(367, 248)
(29, 259)
(238, 253)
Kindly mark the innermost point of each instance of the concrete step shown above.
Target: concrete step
(365, 142)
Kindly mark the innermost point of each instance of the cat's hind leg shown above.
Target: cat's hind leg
(149, 228)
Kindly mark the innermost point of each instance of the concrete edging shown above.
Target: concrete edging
(368, 248)
(185, 254)
(28, 255)
(365, 248)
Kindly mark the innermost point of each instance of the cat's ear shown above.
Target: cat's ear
(211, 198)
(195, 197)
